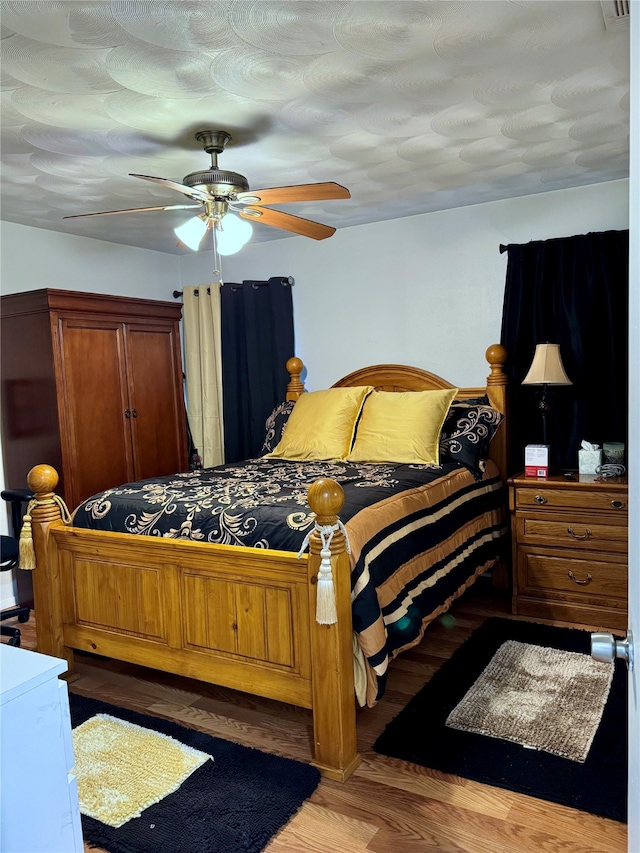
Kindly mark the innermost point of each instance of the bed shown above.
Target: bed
(365, 557)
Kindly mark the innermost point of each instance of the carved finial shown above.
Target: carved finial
(42, 479)
(295, 388)
(294, 366)
(496, 355)
(326, 498)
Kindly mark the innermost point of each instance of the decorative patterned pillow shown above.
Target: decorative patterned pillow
(275, 424)
(467, 433)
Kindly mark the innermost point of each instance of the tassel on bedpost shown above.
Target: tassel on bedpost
(332, 683)
(48, 510)
(327, 539)
(42, 481)
(26, 552)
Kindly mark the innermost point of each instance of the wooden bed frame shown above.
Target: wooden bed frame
(239, 617)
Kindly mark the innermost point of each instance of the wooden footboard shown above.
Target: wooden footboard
(239, 617)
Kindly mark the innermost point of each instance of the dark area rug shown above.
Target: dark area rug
(419, 734)
(233, 804)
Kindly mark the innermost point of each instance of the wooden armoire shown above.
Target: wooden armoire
(92, 385)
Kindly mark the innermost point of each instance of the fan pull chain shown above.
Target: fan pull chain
(217, 272)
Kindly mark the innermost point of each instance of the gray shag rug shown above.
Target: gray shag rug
(538, 697)
(419, 733)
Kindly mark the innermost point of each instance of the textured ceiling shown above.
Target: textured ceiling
(414, 106)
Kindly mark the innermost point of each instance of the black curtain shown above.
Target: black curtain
(257, 340)
(571, 291)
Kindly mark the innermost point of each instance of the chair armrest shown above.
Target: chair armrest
(16, 495)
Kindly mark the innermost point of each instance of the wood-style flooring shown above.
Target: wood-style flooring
(387, 806)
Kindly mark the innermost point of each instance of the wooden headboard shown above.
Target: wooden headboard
(401, 377)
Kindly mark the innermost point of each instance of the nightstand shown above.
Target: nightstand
(569, 540)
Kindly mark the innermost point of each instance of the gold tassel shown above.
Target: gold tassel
(25, 546)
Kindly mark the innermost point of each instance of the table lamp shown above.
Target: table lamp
(546, 369)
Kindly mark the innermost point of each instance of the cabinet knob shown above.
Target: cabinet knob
(583, 582)
(617, 504)
(134, 413)
(539, 499)
(585, 535)
(127, 413)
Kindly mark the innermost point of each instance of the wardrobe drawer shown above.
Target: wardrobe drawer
(548, 498)
(546, 573)
(580, 532)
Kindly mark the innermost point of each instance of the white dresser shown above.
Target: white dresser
(39, 798)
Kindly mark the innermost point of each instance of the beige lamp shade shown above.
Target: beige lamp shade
(546, 367)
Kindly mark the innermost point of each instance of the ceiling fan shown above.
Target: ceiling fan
(217, 192)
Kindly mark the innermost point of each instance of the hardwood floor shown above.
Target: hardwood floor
(387, 806)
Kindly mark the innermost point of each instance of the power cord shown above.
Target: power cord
(611, 469)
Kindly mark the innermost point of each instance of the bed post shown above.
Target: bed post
(295, 388)
(333, 690)
(496, 355)
(47, 591)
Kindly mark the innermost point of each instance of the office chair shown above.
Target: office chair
(9, 558)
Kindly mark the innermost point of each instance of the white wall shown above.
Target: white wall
(33, 259)
(424, 290)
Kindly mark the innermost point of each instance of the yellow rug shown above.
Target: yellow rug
(122, 768)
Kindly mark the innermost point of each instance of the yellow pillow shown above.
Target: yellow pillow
(322, 424)
(401, 426)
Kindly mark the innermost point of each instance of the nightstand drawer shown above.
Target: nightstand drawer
(543, 574)
(579, 532)
(546, 497)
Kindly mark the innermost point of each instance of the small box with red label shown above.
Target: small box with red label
(536, 460)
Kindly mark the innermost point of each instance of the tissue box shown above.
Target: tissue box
(588, 461)
(536, 460)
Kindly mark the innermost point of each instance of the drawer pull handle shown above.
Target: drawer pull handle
(617, 504)
(584, 582)
(539, 499)
(586, 535)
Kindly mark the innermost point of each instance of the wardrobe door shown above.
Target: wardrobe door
(158, 422)
(96, 434)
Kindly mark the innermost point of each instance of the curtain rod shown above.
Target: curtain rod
(284, 280)
(503, 249)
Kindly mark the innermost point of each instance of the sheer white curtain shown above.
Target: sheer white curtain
(203, 369)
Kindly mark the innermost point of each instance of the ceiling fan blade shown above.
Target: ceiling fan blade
(305, 227)
(303, 192)
(135, 210)
(192, 192)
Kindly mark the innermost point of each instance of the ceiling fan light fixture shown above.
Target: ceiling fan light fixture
(216, 190)
(232, 234)
(191, 232)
